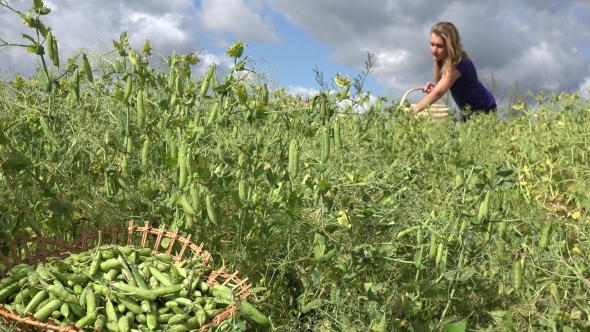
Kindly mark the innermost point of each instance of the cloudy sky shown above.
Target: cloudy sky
(542, 44)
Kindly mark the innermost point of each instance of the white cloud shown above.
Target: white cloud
(235, 17)
(516, 39)
(170, 25)
(301, 91)
(156, 28)
(222, 64)
(546, 67)
(388, 59)
(540, 43)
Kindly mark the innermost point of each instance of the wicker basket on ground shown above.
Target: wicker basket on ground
(438, 111)
(33, 250)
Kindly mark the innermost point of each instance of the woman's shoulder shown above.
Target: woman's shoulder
(464, 58)
(464, 63)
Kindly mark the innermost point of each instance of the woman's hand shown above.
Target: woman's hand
(436, 90)
(428, 87)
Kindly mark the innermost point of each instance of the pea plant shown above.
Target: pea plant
(343, 220)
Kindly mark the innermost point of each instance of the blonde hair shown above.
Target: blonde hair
(455, 53)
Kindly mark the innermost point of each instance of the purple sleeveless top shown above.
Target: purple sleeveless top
(468, 90)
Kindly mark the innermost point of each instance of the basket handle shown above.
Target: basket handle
(417, 89)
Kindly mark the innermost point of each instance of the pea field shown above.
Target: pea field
(344, 212)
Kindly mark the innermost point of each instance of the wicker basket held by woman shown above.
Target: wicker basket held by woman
(437, 110)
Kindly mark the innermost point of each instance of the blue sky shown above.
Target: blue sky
(540, 44)
(295, 56)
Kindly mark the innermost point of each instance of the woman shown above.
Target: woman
(454, 70)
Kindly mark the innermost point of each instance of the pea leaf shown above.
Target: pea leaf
(319, 246)
(418, 260)
(165, 242)
(240, 66)
(311, 305)
(123, 37)
(44, 11)
(37, 4)
(236, 199)
(257, 289)
(29, 38)
(222, 88)
(270, 178)
(386, 250)
(44, 82)
(8, 224)
(343, 219)
(23, 16)
(320, 168)
(17, 162)
(466, 274)
(427, 289)
(459, 326)
(171, 162)
(3, 139)
(236, 50)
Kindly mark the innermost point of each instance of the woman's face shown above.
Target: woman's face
(438, 48)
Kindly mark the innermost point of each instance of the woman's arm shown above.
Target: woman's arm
(438, 91)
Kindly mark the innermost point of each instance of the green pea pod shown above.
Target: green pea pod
(43, 313)
(55, 51)
(433, 244)
(95, 263)
(136, 292)
(159, 276)
(90, 301)
(49, 45)
(151, 318)
(87, 320)
(252, 313)
(14, 278)
(207, 81)
(517, 275)
(61, 293)
(145, 154)
(110, 311)
(188, 209)
(211, 209)
(213, 113)
(293, 160)
(37, 299)
(48, 133)
(337, 137)
(87, 69)
(140, 110)
(109, 264)
(325, 146)
(124, 324)
(75, 82)
(182, 165)
(128, 87)
(100, 322)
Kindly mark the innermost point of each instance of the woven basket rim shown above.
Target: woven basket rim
(442, 109)
(435, 109)
(217, 277)
(434, 113)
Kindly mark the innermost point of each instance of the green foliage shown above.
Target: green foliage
(338, 241)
